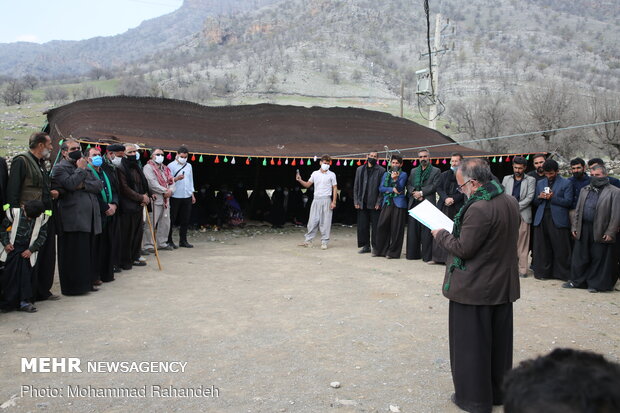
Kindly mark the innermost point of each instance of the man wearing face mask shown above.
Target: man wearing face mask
(80, 221)
(323, 204)
(522, 188)
(594, 262)
(391, 226)
(182, 197)
(113, 157)
(134, 195)
(161, 186)
(367, 200)
(422, 184)
(29, 180)
(450, 201)
(598, 161)
(103, 266)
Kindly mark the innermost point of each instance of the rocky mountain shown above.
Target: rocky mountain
(63, 58)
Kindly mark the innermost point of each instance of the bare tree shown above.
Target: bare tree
(606, 109)
(485, 117)
(15, 93)
(56, 94)
(30, 81)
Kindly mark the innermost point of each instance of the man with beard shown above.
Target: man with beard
(367, 201)
(29, 180)
(161, 186)
(80, 221)
(481, 283)
(113, 157)
(450, 201)
(422, 184)
(103, 265)
(391, 226)
(553, 198)
(134, 196)
(594, 262)
(522, 188)
(578, 181)
(538, 173)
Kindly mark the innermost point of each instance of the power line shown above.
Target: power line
(516, 135)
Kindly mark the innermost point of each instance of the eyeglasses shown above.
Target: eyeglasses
(460, 187)
(75, 148)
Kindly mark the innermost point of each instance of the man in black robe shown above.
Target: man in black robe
(134, 196)
(594, 262)
(450, 201)
(113, 157)
(367, 200)
(80, 221)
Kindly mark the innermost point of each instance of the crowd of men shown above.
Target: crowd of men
(570, 226)
(104, 213)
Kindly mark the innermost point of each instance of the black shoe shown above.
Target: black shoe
(185, 244)
(166, 248)
(93, 288)
(593, 290)
(364, 250)
(139, 263)
(568, 284)
(173, 245)
(116, 269)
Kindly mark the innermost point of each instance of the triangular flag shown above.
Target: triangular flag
(200, 159)
(225, 159)
(279, 161)
(294, 162)
(264, 161)
(301, 161)
(247, 161)
(286, 162)
(194, 158)
(232, 161)
(217, 159)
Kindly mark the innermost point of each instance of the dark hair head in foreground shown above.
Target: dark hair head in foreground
(564, 381)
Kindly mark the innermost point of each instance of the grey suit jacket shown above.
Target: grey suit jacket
(526, 196)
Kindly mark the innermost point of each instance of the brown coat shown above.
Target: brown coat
(488, 247)
(607, 216)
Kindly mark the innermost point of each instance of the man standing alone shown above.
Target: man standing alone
(481, 283)
(183, 196)
(367, 201)
(323, 204)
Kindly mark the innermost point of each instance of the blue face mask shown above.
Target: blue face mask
(97, 160)
(454, 168)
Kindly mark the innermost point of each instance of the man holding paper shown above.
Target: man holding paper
(481, 282)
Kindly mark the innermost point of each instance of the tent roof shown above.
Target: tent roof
(249, 130)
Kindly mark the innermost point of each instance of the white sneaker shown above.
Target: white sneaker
(324, 245)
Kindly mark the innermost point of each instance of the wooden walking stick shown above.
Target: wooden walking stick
(148, 218)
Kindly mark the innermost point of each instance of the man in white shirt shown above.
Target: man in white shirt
(323, 204)
(161, 185)
(183, 196)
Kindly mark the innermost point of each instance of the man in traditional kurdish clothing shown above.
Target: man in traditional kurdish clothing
(367, 201)
(23, 233)
(161, 186)
(113, 157)
(597, 219)
(103, 267)
(80, 222)
(391, 226)
(450, 201)
(323, 204)
(422, 184)
(134, 195)
(29, 180)
(481, 283)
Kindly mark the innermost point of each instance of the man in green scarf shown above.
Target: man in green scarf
(422, 185)
(481, 282)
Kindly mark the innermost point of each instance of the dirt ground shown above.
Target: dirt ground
(270, 325)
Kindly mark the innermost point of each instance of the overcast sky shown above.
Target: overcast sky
(43, 20)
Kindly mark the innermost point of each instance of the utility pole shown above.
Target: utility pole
(432, 109)
(402, 97)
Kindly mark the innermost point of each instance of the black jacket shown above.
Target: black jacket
(368, 183)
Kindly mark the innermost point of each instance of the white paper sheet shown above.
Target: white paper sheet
(430, 216)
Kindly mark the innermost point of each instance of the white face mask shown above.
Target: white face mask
(117, 161)
(325, 166)
(159, 159)
(182, 161)
(137, 155)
